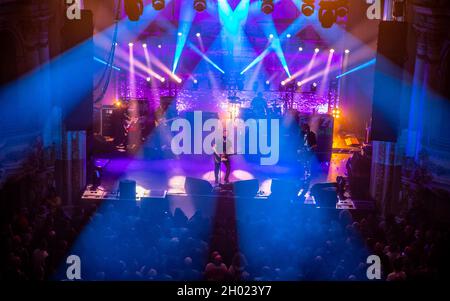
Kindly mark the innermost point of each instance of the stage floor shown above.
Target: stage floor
(170, 174)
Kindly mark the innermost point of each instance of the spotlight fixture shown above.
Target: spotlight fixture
(288, 36)
(162, 79)
(331, 50)
(158, 4)
(159, 46)
(316, 50)
(347, 51)
(195, 84)
(299, 84)
(271, 36)
(117, 103)
(330, 10)
(199, 5)
(308, 7)
(283, 83)
(341, 8)
(300, 48)
(134, 9)
(198, 35)
(130, 44)
(336, 112)
(148, 79)
(327, 13)
(314, 87)
(180, 34)
(267, 82)
(144, 45)
(267, 6)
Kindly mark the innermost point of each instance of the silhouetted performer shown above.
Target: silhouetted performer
(259, 105)
(308, 148)
(309, 139)
(222, 157)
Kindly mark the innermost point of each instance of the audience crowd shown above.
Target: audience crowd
(274, 241)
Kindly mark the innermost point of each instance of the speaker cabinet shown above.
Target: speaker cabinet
(127, 190)
(325, 194)
(247, 188)
(391, 56)
(197, 186)
(75, 72)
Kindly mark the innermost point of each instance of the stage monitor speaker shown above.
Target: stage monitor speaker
(127, 190)
(391, 56)
(325, 194)
(246, 188)
(75, 72)
(283, 190)
(197, 186)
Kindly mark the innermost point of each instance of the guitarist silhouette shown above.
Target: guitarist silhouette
(223, 156)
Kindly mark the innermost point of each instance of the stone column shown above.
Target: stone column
(385, 176)
(431, 26)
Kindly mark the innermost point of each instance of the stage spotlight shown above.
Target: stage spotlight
(117, 103)
(180, 34)
(347, 51)
(327, 15)
(336, 112)
(316, 50)
(271, 36)
(159, 46)
(195, 84)
(158, 4)
(148, 79)
(267, 85)
(300, 48)
(163, 79)
(314, 87)
(267, 6)
(341, 8)
(130, 44)
(288, 36)
(134, 9)
(198, 35)
(308, 7)
(199, 5)
(299, 84)
(283, 83)
(331, 50)
(144, 45)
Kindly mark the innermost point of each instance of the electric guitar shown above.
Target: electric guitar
(222, 157)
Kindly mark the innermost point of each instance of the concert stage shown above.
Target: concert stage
(155, 176)
(266, 140)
